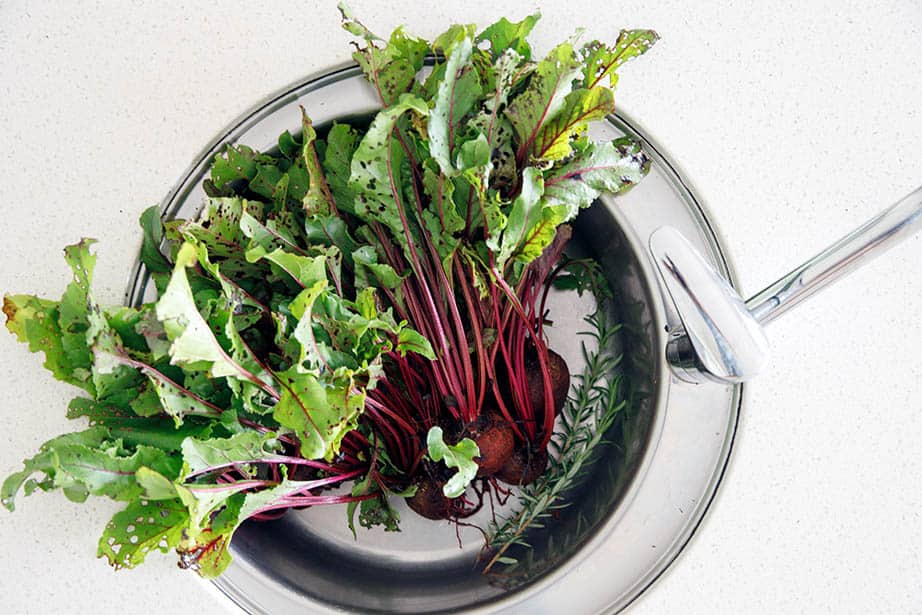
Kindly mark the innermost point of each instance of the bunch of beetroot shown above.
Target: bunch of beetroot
(467, 179)
(365, 303)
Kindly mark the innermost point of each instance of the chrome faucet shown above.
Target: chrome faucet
(721, 338)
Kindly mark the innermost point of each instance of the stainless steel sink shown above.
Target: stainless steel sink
(640, 501)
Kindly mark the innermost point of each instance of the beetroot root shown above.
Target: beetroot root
(523, 466)
(560, 381)
(429, 501)
(495, 439)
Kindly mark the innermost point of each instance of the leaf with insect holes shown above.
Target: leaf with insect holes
(151, 331)
(116, 382)
(226, 319)
(391, 68)
(87, 462)
(460, 456)
(338, 338)
(377, 510)
(143, 526)
(505, 34)
(113, 369)
(268, 235)
(600, 60)
(76, 307)
(235, 163)
(35, 321)
(301, 307)
(45, 462)
(276, 181)
(125, 322)
(175, 401)
(218, 226)
(507, 72)
(104, 472)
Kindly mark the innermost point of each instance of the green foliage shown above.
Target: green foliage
(608, 167)
(544, 97)
(320, 414)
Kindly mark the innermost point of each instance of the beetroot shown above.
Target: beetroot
(495, 439)
(560, 381)
(523, 466)
(429, 501)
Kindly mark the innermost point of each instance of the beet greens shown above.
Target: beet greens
(363, 304)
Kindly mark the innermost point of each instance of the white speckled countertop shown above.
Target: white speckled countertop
(795, 123)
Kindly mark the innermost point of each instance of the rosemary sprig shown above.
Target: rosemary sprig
(592, 407)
